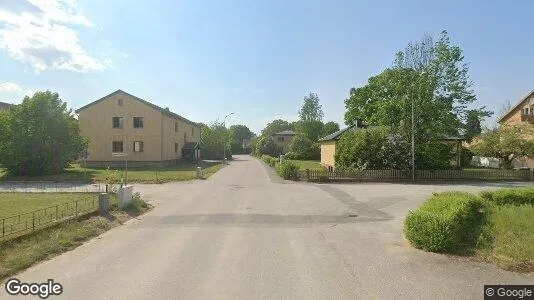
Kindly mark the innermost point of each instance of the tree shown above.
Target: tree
(432, 76)
(311, 109)
(275, 127)
(373, 148)
(506, 142)
(40, 136)
(265, 145)
(303, 148)
(239, 135)
(329, 128)
(215, 141)
(472, 125)
(310, 122)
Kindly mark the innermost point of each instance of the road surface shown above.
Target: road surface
(246, 234)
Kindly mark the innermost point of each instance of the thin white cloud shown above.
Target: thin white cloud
(42, 33)
(10, 87)
(248, 90)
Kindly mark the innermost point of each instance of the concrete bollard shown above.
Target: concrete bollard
(125, 195)
(199, 172)
(103, 204)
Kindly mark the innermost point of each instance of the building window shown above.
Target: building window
(119, 102)
(532, 110)
(176, 147)
(175, 126)
(138, 122)
(117, 146)
(138, 146)
(117, 122)
(280, 138)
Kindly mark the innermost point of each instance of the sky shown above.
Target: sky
(257, 59)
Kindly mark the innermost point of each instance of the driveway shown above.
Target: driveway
(243, 234)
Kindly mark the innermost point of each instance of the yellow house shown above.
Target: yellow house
(282, 140)
(122, 127)
(521, 113)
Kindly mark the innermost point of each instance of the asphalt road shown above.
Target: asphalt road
(245, 234)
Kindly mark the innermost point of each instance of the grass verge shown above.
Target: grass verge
(313, 165)
(164, 174)
(23, 252)
(508, 239)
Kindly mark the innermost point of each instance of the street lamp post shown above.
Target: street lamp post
(224, 125)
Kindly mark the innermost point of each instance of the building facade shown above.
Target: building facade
(122, 127)
(282, 141)
(521, 113)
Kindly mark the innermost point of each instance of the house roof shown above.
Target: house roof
(515, 107)
(285, 132)
(161, 109)
(4, 105)
(337, 135)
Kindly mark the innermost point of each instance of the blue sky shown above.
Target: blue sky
(258, 59)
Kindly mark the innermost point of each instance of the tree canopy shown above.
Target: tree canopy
(40, 136)
(215, 141)
(275, 127)
(506, 142)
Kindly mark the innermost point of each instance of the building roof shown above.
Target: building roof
(285, 132)
(4, 105)
(515, 107)
(161, 109)
(337, 135)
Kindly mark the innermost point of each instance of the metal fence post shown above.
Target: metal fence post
(33, 221)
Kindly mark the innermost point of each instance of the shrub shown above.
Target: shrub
(288, 170)
(515, 196)
(289, 155)
(446, 222)
(303, 148)
(273, 161)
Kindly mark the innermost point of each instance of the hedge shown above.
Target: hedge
(515, 196)
(288, 170)
(446, 222)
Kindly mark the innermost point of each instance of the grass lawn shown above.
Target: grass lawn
(309, 164)
(135, 175)
(511, 242)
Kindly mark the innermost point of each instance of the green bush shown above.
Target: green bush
(266, 158)
(446, 222)
(273, 161)
(515, 196)
(289, 155)
(288, 170)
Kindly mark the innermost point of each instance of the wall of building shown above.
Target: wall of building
(328, 150)
(186, 133)
(515, 117)
(96, 124)
(283, 145)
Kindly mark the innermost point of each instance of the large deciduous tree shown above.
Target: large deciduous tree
(310, 123)
(429, 76)
(40, 136)
(329, 128)
(275, 127)
(508, 142)
(215, 141)
(240, 136)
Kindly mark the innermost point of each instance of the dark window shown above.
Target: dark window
(280, 138)
(138, 122)
(117, 122)
(119, 102)
(176, 147)
(175, 126)
(138, 146)
(117, 146)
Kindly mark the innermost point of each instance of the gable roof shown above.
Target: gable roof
(154, 106)
(337, 135)
(515, 107)
(285, 132)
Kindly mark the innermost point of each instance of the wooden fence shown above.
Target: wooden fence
(420, 175)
